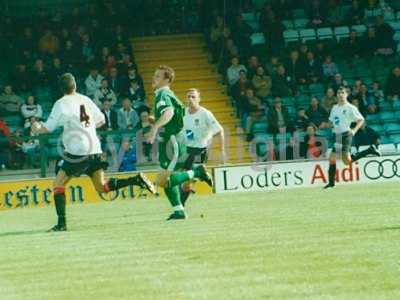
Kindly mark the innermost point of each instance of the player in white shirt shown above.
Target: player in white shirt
(79, 116)
(342, 116)
(200, 126)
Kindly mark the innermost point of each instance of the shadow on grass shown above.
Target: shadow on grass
(387, 228)
(25, 232)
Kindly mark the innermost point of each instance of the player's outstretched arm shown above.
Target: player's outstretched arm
(165, 117)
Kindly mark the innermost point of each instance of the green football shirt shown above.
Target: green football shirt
(165, 98)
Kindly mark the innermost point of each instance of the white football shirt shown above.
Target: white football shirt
(200, 127)
(343, 115)
(79, 137)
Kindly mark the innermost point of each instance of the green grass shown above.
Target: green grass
(296, 244)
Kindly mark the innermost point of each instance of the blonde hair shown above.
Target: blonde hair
(193, 90)
(169, 73)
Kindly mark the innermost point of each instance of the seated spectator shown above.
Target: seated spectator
(329, 99)
(317, 115)
(282, 84)
(262, 83)
(272, 65)
(4, 144)
(48, 43)
(31, 147)
(329, 68)
(239, 88)
(17, 155)
(87, 49)
(392, 89)
(313, 68)
(104, 92)
(252, 66)
(251, 108)
(136, 94)
(352, 47)
(303, 50)
(21, 79)
(111, 116)
(385, 34)
(111, 63)
(31, 109)
(370, 43)
(317, 13)
(337, 82)
(101, 60)
(321, 50)
(144, 126)
(56, 70)
(273, 33)
(356, 13)
(296, 68)
(93, 82)
(117, 83)
(133, 75)
(377, 91)
(233, 72)
(10, 103)
(127, 116)
(302, 120)
(241, 32)
(368, 103)
(311, 148)
(40, 75)
(335, 13)
(124, 65)
(278, 118)
(366, 136)
(127, 157)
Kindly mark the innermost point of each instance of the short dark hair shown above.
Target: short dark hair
(169, 73)
(67, 83)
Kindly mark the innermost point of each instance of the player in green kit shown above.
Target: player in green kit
(169, 113)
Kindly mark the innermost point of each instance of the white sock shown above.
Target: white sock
(178, 208)
(191, 174)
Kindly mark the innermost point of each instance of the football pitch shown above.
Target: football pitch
(293, 244)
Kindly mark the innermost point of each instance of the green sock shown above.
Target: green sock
(174, 197)
(177, 178)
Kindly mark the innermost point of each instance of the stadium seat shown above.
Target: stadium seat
(387, 116)
(396, 36)
(378, 128)
(373, 119)
(316, 88)
(251, 16)
(291, 35)
(288, 101)
(385, 106)
(395, 25)
(396, 107)
(341, 32)
(360, 29)
(299, 13)
(372, 13)
(395, 138)
(257, 39)
(259, 127)
(388, 148)
(255, 25)
(300, 23)
(385, 140)
(392, 128)
(307, 34)
(324, 33)
(389, 16)
(288, 24)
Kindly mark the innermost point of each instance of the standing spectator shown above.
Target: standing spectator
(87, 49)
(241, 34)
(317, 13)
(127, 116)
(278, 118)
(55, 73)
(31, 109)
(311, 148)
(282, 84)
(136, 94)
(273, 33)
(317, 115)
(104, 92)
(111, 117)
(313, 68)
(93, 82)
(233, 72)
(392, 90)
(352, 47)
(329, 68)
(10, 103)
(329, 100)
(252, 65)
(40, 76)
(296, 68)
(262, 84)
(335, 14)
(70, 55)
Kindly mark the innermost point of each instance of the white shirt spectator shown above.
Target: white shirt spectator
(343, 115)
(104, 93)
(79, 136)
(200, 127)
(93, 84)
(34, 110)
(233, 73)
